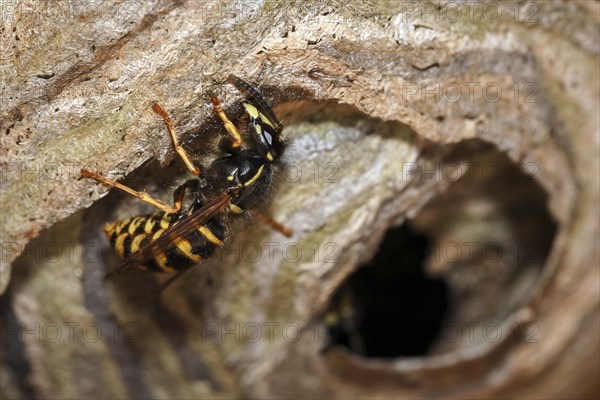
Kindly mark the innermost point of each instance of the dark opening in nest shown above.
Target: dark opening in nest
(470, 258)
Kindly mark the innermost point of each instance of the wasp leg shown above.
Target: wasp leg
(180, 150)
(180, 192)
(169, 281)
(143, 196)
(267, 219)
(229, 126)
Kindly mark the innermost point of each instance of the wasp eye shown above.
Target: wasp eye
(268, 138)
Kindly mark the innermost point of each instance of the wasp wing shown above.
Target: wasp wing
(173, 235)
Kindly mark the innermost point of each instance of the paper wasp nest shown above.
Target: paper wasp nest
(441, 182)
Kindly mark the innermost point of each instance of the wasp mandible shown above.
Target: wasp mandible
(176, 238)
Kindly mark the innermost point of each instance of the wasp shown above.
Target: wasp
(176, 238)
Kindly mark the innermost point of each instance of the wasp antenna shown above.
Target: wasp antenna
(252, 92)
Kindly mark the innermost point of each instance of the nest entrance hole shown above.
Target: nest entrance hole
(470, 258)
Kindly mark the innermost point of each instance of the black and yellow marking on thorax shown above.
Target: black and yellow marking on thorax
(255, 177)
(132, 234)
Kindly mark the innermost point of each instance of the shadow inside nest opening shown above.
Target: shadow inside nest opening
(470, 258)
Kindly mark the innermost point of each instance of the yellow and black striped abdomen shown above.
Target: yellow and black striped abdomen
(130, 235)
